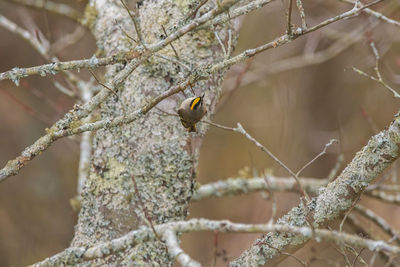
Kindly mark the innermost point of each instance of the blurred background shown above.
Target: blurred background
(291, 103)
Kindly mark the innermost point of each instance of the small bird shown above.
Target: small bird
(191, 111)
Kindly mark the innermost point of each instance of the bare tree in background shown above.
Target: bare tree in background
(137, 169)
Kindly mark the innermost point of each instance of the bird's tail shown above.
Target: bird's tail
(192, 128)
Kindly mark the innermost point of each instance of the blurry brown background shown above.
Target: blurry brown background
(294, 113)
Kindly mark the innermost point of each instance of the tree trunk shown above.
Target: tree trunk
(155, 152)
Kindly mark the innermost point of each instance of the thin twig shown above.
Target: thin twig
(368, 233)
(215, 248)
(351, 13)
(289, 19)
(302, 263)
(42, 46)
(241, 130)
(125, 33)
(347, 213)
(221, 44)
(102, 84)
(302, 14)
(358, 257)
(339, 248)
(395, 94)
(310, 58)
(135, 23)
(230, 46)
(237, 12)
(379, 221)
(369, 119)
(173, 60)
(383, 196)
(378, 77)
(335, 170)
(144, 209)
(323, 152)
(238, 81)
(173, 48)
(376, 14)
(194, 12)
(273, 200)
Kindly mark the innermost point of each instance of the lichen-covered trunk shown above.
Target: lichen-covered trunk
(155, 151)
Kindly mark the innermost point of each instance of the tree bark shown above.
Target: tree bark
(154, 151)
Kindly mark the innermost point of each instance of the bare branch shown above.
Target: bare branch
(367, 232)
(136, 24)
(56, 8)
(323, 152)
(14, 28)
(221, 44)
(173, 48)
(378, 77)
(348, 213)
(43, 143)
(13, 166)
(389, 198)
(17, 73)
(333, 201)
(79, 254)
(102, 84)
(369, 214)
(175, 250)
(336, 198)
(376, 14)
(302, 14)
(351, 13)
(194, 11)
(333, 173)
(311, 58)
(289, 18)
(238, 186)
(273, 200)
(241, 130)
(384, 187)
(290, 255)
(43, 48)
(59, 129)
(86, 144)
(239, 11)
(286, 38)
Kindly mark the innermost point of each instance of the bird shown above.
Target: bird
(191, 111)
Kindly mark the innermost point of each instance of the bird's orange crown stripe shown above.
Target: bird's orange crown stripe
(195, 101)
